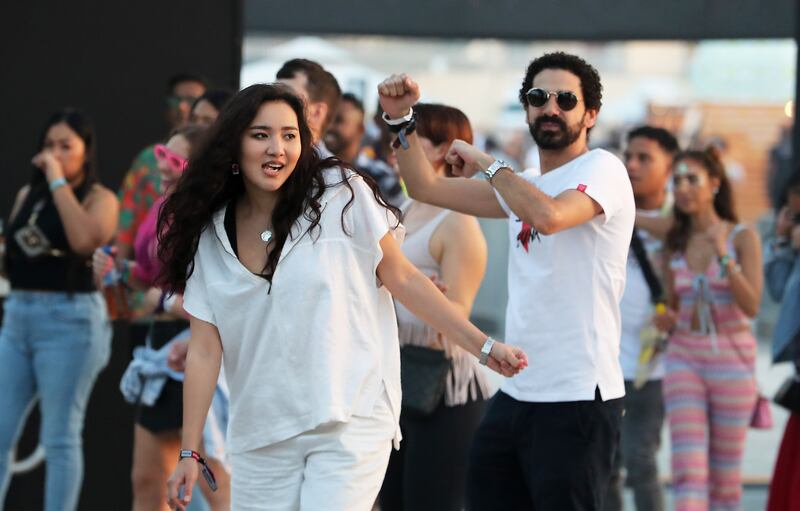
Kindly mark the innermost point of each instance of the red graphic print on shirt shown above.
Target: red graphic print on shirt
(526, 233)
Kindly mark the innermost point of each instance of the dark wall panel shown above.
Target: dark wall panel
(111, 59)
(582, 20)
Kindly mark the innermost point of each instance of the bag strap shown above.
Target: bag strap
(656, 289)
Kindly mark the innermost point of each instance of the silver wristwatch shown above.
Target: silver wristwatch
(494, 167)
(485, 351)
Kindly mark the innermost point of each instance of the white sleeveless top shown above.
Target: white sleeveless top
(465, 382)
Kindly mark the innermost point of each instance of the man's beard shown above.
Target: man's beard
(553, 140)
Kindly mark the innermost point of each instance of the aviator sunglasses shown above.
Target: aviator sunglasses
(176, 163)
(565, 100)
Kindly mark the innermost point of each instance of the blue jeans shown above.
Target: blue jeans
(52, 345)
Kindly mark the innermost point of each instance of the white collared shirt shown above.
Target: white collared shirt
(322, 345)
(564, 289)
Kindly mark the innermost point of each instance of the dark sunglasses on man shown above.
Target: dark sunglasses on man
(565, 100)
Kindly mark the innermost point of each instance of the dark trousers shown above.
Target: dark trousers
(429, 471)
(641, 438)
(543, 456)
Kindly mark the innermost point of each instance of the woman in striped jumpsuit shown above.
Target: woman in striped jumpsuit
(714, 285)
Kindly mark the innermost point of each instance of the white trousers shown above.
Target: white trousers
(337, 466)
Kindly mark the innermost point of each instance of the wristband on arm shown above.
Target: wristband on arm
(204, 469)
(403, 127)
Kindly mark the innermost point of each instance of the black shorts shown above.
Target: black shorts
(167, 412)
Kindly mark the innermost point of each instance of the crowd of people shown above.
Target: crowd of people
(300, 300)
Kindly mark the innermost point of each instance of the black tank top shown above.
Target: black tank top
(61, 269)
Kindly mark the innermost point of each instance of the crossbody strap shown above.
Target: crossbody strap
(653, 283)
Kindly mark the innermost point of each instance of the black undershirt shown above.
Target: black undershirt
(230, 230)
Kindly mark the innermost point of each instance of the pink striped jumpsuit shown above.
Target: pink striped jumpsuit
(709, 389)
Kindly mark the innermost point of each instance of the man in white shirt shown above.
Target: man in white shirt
(550, 435)
(648, 158)
(321, 92)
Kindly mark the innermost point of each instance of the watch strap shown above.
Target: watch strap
(486, 350)
(494, 168)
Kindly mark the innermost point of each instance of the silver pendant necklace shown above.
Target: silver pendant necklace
(266, 236)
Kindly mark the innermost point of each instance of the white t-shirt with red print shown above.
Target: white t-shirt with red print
(565, 289)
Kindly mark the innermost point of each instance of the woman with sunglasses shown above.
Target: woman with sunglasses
(713, 283)
(56, 336)
(159, 415)
(289, 263)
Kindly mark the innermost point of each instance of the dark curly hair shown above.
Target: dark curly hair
(679, 233)
(207, 185)
(591, 88)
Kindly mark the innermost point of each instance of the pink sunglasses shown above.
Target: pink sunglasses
(176, 163)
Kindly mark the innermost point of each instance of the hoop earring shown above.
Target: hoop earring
(235, 169)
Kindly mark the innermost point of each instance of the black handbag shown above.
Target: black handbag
(788, 396)
(423, 377)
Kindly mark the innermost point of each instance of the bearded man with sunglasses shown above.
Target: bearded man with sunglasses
(550, 435)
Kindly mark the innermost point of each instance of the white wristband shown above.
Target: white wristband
(399, 120)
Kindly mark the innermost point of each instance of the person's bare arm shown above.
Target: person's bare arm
(90, 225)
(462, 258)
(746, 285)
(202, 371)
(473, 197)
(414, 290)
(546, 214)
(657, 226)
(470, 196)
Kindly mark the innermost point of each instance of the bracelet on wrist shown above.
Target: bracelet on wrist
(403, 130)
(400, 120)
(57, 183)
(486, 350)
(206, 472)
(724, 260)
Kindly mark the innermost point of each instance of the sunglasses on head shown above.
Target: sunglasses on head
(176, 163)
(565, 100)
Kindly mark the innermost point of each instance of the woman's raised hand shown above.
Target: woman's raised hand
(397, 95)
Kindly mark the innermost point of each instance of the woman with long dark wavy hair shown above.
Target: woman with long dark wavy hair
(56, 336)
(288, 265)
(714, 283)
